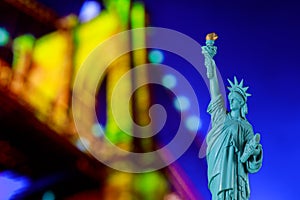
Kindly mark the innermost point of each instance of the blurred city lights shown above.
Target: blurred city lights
(181, 103)
(193, 123)
(11, 184)
(89, 10)
(82, 144)
(169, 81)
(172, 196)
(156, 56)
(97, 130)
(4, 36)
(49, 195)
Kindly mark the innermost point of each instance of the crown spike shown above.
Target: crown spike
(231, 83)
(241, 83)
(235, 81)
(245, 88)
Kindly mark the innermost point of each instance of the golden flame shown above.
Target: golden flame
(211, 36)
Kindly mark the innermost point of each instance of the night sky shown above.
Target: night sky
(258, 41)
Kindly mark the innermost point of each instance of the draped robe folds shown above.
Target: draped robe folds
(227, 175)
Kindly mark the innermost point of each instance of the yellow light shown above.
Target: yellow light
(118, 68)
(89, 35)
(142, 95)
(49, 77)
(138, 15)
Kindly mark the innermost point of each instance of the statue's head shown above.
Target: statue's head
(238, 97)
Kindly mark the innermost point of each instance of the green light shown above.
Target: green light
(138, 15)
(4, 36)
(150, 185)
(25, 42)
(156, 56)
(123, 7)
(21, 46)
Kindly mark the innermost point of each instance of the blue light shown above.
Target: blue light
(82, 144)
(11, 184)
(169, 81)
(193, 123)
(97, 130)
(181, 103)
(49, 195)
(89, 10)
(156, 56)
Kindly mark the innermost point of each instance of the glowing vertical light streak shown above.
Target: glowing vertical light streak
(142, 96)
(121, 8)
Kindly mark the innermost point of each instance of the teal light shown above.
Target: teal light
(49, 195)
(169, 81)
(193, 123)
(181, 103)
(4, 36)
(156, 56)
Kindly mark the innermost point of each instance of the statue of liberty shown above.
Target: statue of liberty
(233, 150)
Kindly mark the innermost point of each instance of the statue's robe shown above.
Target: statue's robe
(227, 175)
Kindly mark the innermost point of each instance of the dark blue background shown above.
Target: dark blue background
(258, 41)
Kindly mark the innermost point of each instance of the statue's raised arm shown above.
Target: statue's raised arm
(209, 51)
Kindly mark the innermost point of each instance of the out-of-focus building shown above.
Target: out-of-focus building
(40, 55)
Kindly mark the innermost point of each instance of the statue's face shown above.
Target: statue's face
(236, 101)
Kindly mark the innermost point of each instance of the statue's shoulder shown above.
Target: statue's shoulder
(246, 124)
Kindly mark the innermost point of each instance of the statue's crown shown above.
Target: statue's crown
(238, 87)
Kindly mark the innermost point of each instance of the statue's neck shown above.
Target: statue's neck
(235, 114)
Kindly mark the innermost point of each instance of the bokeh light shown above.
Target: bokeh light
(89, 10)
(156, 56)
(97, 130)
(4, 36)
(11, 184)
(82, 144)
(169, 81)
(49, 195)
(193, 123)
(182, 103)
